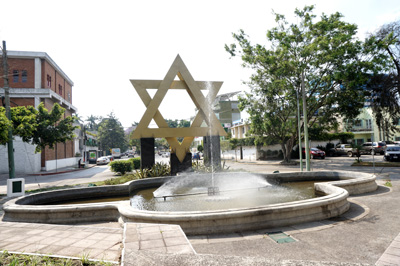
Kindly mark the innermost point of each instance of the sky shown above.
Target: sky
(101, 45)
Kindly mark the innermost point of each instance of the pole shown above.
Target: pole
(10, 145)
(307, 147)
(299, 127)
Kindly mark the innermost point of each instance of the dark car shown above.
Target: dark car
(315, 153)
(343, 149)
(392, 153)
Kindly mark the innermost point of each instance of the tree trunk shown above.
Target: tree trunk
(287, 149)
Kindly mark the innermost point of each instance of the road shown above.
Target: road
(93, 174)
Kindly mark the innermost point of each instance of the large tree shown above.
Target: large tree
(111, 134)
(324, 54)
(385, 87)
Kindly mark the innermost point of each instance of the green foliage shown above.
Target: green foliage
(325, 54)
(111, 134)
(51, 129)
(135, 162)
(4, 126)
(40, 127)
(93, 122)
(200, 148)
(158, 169)
(7, 258)
(121, 166)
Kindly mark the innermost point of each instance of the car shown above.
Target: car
(196, 156)
(315, 153)
(102, 160)
(343, 149)
(373, 148)
(392, 153)
(165, 154)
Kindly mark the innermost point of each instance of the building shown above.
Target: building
(225, 107)
(34, 78)
(365, 129)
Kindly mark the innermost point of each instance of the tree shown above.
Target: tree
(51, 128)
(111, 134)
(39, 127)
(93, 122)
(4, 126)
(324, 54)
(385, 87)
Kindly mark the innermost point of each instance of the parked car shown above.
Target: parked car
(392, 153)
(165, 154)
(373, 148)
(315, 153)
(102, 160)
(343, 149)
(196, 156)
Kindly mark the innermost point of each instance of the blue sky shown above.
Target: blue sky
(101, 45)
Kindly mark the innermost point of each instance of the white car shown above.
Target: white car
(102, 160)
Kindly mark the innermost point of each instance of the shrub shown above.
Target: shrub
(121, 167)
(135, 162)
(159, 169)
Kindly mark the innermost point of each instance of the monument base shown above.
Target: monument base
(177, 166)
(147, 159)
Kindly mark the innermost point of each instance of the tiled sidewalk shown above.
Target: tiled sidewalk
(100, 243)
(392, 254)
(158, 238)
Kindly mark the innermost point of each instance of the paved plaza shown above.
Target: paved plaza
(367, 234)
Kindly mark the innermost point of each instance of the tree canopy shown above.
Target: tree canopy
(324, 54)
(39, 127)
(385, 87)
(111, 134)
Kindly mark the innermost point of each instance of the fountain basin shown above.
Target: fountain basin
(332, 203)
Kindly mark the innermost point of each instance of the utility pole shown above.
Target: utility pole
(306, 144)
(10, 145)
(299, 128)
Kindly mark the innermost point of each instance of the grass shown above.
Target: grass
(388, 184)
(7, 258)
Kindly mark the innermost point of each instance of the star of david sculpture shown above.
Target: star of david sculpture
(180, 158)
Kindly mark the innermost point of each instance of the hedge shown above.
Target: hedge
(124, 166)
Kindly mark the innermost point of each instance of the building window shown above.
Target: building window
(24, 76)
(48, 81)
(59, 89)
(358, 123)
(368, 123)
(15, 75)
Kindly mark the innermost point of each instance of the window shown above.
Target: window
(368, 123)
(59, 89)
(24, 76)
(48, 81)
(358, 123)
(15, 75)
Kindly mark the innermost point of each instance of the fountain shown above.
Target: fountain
(332, 202)
(213, 214)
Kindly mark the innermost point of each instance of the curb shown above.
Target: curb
(63, 172)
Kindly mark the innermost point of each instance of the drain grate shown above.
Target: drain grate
(280, 237)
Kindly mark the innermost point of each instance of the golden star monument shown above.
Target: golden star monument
(193, 88)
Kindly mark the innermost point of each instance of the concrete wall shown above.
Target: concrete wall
(61, 163)
(25, 159)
